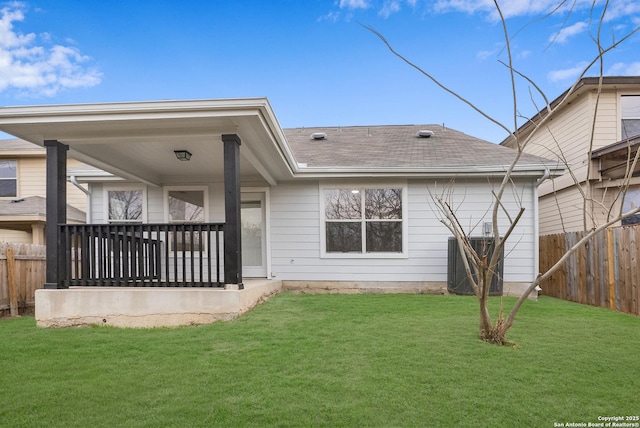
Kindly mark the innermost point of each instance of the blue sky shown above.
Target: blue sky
(313, 60)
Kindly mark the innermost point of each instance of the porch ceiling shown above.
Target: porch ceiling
(136, 141)
(615, 159)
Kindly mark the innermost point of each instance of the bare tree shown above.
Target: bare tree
(480, 264)
(125, 205)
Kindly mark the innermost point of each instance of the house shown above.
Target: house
(606, 118)
(22, 191)
(218, 198)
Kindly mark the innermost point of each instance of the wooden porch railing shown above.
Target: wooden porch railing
(142, 255)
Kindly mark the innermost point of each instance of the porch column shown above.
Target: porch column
(56, 211)
(232, 237)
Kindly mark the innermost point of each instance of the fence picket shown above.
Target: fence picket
(27, 274)
(603, 273)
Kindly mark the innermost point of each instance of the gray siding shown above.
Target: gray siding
(296, 249)
(296, 223)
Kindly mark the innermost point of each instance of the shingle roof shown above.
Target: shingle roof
(17, 144)
(35, 206)
(398, 146)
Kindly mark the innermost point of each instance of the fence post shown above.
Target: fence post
(11, 276)
(612, 280)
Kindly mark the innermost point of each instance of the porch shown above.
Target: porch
(142, 255)
(148, 306)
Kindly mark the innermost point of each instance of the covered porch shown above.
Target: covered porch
(154, 262)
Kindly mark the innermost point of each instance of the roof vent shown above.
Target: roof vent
(318, 136)
(424, 133)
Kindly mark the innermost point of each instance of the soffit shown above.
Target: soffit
(137, 140)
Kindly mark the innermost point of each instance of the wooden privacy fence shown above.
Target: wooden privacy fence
(22, 271)
(604, 273)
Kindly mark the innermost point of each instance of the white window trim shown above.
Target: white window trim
(205, 191)
(620, 118)
(123, 187)
(17, 195)
(361, 186)
(167, 189)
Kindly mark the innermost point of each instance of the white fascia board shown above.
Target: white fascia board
(270, 123)
(13, 114)
(529, 171)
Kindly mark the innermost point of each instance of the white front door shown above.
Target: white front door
(254, 237)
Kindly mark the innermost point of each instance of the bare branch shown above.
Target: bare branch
(434, 80)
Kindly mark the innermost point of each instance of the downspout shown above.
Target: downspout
(74, 181)
(536, 225)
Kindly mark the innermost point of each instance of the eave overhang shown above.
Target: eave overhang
(125, 139)
(444, 172)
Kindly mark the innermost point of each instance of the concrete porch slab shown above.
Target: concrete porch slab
(148, 307)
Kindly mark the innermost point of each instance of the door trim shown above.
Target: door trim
(267, 221)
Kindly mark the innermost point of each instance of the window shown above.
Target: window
(186, 206)
(367, 221)
(631, 202)
(8, 179)
(125, 206)
(630, 114)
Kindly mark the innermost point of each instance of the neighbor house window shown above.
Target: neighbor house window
(368, 221)
(125, 205)
(631, 202)
(8, 179)
(630, 114)
(186, 206)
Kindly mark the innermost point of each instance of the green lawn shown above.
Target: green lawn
(327, 360)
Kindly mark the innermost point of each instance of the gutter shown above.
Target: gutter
(546, 175)
(315, 172)
(74, 181)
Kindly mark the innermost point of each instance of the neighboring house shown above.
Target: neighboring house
(22, 191)
(319, 207)
(606, 116)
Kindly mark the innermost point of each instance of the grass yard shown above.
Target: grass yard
(328, 360)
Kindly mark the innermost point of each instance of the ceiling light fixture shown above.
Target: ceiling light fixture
(183, 155)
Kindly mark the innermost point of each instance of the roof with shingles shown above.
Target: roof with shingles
(16, 144)
(398, 146)
(35, 206)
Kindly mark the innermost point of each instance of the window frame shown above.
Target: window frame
(363, 221)
(124, 188)
(205, 202)
(17, 194)
(620, 129)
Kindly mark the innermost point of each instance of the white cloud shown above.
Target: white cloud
(354, 4)
(565, 33)
(331, 17)
(509, 8)
(567, 74)
(385, 8)
(621, 9)
(524, 54)
(38, 70)
(389, 7)
(624, 69)
(482, 55)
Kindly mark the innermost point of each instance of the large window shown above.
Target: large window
(363, 220)
(125, 205)
(8, 179)
(630, 114)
